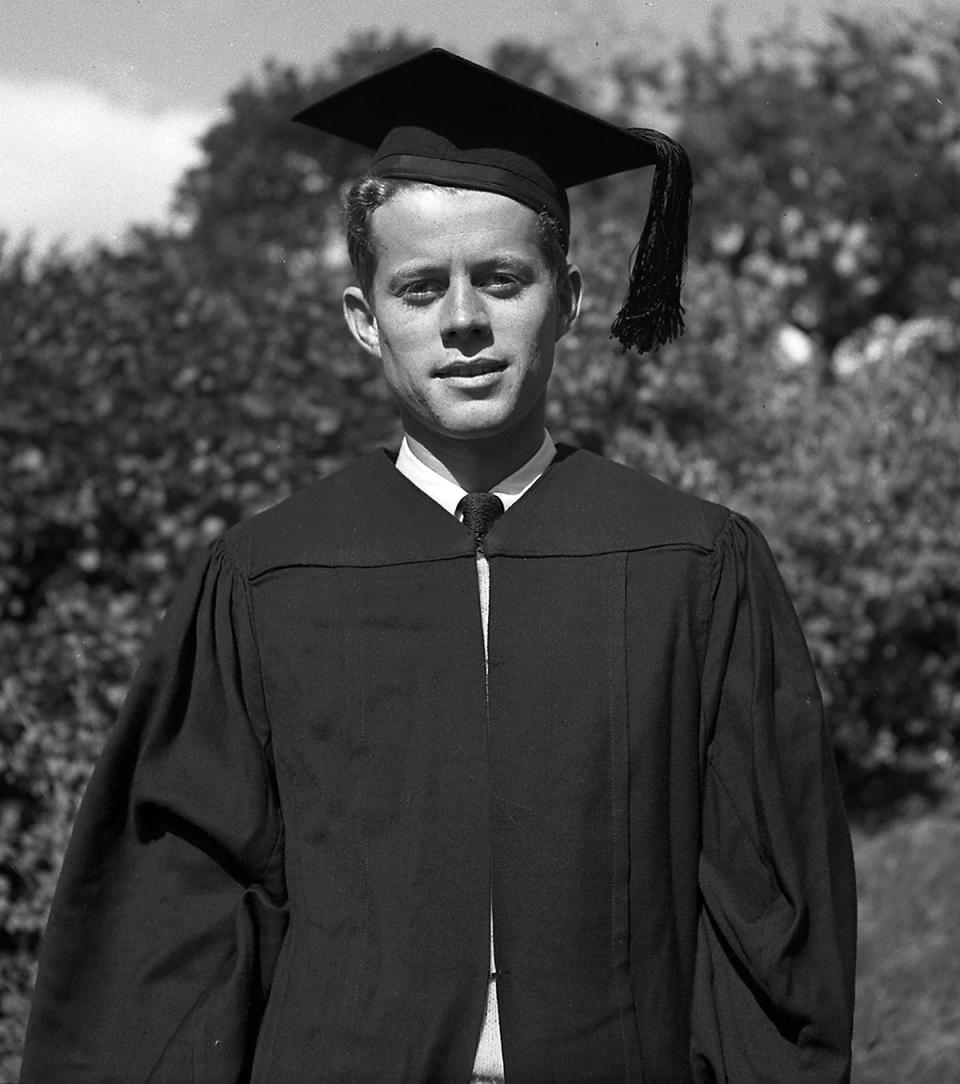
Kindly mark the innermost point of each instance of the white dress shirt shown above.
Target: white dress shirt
(448, 494)
(488, 1064)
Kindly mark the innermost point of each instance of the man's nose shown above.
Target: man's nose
(464, 313)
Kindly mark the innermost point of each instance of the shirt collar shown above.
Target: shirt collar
(448, 494)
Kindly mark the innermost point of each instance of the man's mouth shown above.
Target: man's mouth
(473, 367)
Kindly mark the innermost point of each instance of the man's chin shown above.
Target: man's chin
(493, 430)
(478, 421)
(488, 422)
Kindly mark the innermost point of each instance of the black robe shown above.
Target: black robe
(283, 866)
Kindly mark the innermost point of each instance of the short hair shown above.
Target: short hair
(368, 193)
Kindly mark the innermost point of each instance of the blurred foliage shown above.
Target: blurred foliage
(907, 1026)
(265, 201)
(830, 169)
(150, 395)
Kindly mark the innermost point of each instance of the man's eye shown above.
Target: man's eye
(421, 290)
(502, 284)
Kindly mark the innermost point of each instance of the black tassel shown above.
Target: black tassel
(652, 313)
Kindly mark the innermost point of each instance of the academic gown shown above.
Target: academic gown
(283, 868)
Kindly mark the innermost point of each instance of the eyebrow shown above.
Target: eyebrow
(508, 261)
(414, 270)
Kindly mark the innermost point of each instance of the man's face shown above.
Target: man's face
(464, 313)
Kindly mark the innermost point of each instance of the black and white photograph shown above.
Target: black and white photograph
(479, 542)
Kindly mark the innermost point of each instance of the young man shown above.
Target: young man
(485, 761)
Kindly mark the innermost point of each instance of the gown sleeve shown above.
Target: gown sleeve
(777, 938)
(170, 909)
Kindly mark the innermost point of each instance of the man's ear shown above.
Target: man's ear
(361, 320)
(569, 293)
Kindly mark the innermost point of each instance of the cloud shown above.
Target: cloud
(76, 165)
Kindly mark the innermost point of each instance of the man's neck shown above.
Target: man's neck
(475, 465)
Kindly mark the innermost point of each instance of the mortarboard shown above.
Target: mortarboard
(441, 119)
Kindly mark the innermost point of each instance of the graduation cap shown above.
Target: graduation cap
(441, 119)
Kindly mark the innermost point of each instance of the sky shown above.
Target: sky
(103, 101)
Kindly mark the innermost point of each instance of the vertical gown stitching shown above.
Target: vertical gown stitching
(357, 593)
(614, 608)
